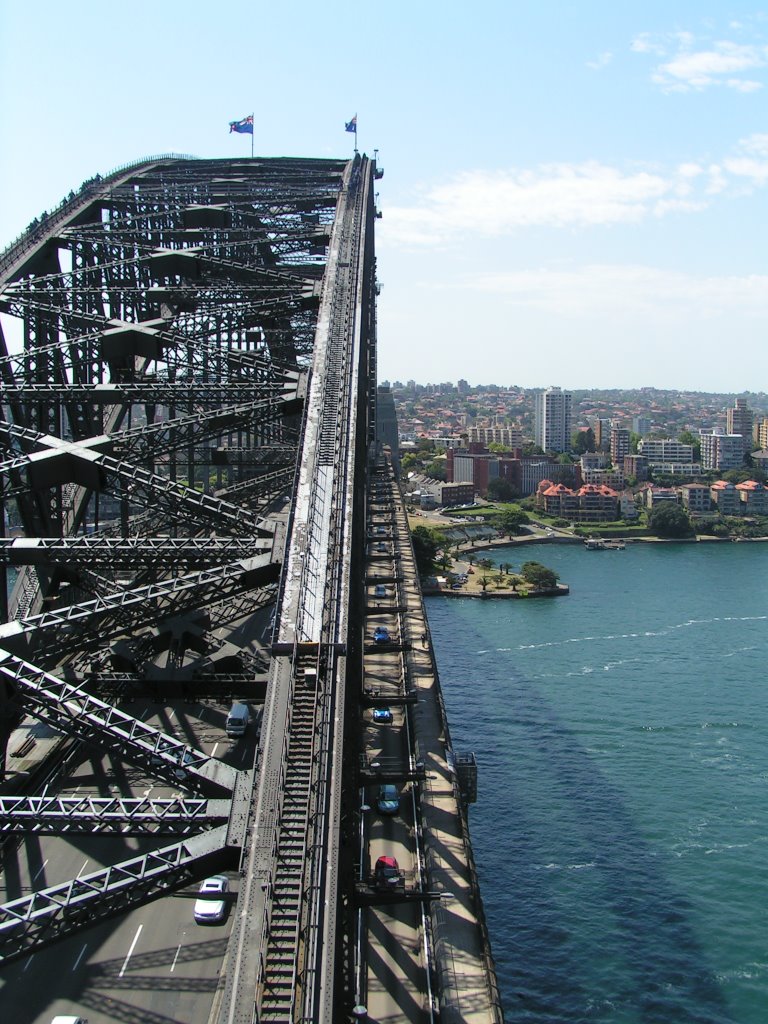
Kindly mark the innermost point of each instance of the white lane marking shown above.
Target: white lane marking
(82, 951)
(202, 714)
(130, 951)
(215, 748)
(144, 713)
(41, 869)
(82, 869)
(26, 965)
(173, 965)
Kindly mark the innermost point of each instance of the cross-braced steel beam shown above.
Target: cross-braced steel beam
(90, 815)
(60, 910)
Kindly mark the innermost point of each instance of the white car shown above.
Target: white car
(210, 906)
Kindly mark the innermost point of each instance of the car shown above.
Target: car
(381, 635)
(388, 801)
(387, 874)
(381, 546)
(379, 590)
(456, 586)
(211, 903)
(383, 716)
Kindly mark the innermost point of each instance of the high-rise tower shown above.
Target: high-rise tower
(553, 420)
(738, 420)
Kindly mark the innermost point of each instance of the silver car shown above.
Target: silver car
(211, 904)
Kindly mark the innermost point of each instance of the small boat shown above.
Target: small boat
(600, 544)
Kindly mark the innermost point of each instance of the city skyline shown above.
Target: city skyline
(569, 192)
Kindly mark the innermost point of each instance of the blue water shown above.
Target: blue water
(622, 739)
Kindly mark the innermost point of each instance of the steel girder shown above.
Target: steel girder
(156, 337)
(68, 815)
(130, 551)
(70, 709)
(76, 626)
(59, 910)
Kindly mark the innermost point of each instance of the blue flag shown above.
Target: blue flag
(246, 125)
(351, 126)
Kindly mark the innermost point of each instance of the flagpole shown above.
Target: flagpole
(253, 127)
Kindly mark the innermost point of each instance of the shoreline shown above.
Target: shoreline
(510, 542)
(504, 593)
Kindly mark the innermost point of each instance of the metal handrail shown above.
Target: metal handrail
(50, 218)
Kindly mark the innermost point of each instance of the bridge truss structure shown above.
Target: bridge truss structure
(187, 358)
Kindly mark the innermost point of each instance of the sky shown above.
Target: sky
(573, 194)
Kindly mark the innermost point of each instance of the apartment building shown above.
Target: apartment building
(721, 451)
(738, 420)
(553, 420)
(620, 438)
(666, 449)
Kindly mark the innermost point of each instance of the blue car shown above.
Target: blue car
(381, 635)
(383, 716)
(388, 801)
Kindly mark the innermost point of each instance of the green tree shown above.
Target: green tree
(500, 489)
(510, 521)
(583, 441)
(538, 575)
(738, 476)
(425, 548)
(670, 520)
(436, 469)
(532, 449)
(687, 437)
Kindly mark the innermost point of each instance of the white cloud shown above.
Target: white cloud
(689, 67)
(628, 291)
(558, 195)
(497, 203)
(750, 162)
(601, 61)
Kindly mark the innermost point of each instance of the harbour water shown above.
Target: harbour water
(622, 740)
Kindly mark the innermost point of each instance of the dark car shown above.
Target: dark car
(381, 635)
(387, 874)
(382, 716)
(388, 801)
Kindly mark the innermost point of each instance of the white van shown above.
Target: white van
(69, 1020)
(237, 720)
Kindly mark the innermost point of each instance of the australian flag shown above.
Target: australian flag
(351, 126)
(246, 125)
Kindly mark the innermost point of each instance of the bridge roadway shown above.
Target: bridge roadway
(132, 643)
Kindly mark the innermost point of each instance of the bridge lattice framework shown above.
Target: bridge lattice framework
(187, 354)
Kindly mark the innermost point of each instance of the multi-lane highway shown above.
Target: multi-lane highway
(153, 964)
